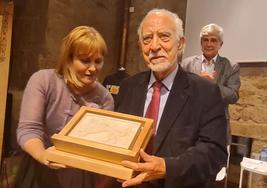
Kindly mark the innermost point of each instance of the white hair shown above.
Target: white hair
(177, 21)
(212, 29)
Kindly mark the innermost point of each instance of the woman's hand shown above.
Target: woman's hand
(43, 160)
(36, 149)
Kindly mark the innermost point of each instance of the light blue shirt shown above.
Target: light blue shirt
(208, 67)
(164, 93)
(214, 58)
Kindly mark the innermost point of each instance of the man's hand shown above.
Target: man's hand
(152, 168)
(207, 75)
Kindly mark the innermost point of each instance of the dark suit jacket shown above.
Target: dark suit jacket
(192, 130)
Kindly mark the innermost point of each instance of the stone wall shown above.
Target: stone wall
(251, 110)
(252, 105)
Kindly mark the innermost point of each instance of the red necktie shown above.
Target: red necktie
(153, 107)
(153, 112)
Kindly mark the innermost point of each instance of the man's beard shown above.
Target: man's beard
(161, 66)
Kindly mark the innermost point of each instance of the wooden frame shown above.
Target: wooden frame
(6, 19)
(73, 143)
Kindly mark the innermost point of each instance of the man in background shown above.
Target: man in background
(215, 68)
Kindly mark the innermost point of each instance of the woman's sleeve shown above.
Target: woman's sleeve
(32, 113)
(108, 102)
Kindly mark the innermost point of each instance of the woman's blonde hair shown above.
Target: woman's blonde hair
(81, 42)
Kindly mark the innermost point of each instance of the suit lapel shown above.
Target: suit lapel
(174, 105)
(219, 67)
(198, 65)
(139, 92)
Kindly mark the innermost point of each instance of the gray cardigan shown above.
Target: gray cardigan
(48, 104)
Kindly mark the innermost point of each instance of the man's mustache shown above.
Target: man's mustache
(153, 55)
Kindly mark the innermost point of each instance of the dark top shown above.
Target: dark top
(113, 81)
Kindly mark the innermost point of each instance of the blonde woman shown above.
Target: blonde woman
(51, 98)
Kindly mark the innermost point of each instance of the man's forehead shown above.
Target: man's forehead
(158, 21)
(210, 36)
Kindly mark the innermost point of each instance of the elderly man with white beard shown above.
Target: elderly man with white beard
(188, 147)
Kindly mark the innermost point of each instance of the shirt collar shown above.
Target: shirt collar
(214, 58)
(167, 82)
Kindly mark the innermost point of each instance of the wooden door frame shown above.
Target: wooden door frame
(6, 13)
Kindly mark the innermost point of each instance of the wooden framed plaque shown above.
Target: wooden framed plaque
(98, 140)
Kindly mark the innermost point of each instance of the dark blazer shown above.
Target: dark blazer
(192, 130)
